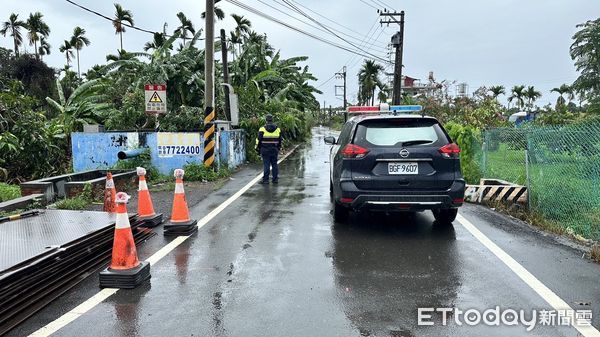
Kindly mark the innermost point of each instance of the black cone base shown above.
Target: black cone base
(151, 221)
(125, 279)
(181, 228)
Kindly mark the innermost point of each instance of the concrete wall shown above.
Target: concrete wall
(99, 150)
(232, 149)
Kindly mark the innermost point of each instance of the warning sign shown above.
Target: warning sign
(156, 98)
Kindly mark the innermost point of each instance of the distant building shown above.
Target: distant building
(413, 86)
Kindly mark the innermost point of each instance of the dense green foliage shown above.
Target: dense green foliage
(585, 51)
(41, 106)
(8, 192)
(468, 139)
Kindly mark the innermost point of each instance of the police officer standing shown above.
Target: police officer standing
(268, 145)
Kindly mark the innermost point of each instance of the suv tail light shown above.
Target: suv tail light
(450, 150)
(354, 151)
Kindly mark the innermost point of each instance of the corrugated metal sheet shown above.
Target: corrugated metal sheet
(23, 239)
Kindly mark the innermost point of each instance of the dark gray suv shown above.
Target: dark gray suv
(395, 163)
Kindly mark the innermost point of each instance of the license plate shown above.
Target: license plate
(403, 168)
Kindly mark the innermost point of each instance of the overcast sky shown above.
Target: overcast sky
(489, 42)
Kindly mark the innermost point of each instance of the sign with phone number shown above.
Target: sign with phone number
(178, 144)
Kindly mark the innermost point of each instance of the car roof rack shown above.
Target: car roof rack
(385, 109)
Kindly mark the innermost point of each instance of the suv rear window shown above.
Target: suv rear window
(397, 132)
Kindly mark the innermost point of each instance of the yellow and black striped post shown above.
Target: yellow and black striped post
(209, 136)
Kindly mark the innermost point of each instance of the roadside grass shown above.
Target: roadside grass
(75, 204)
(9, 192)
(162, 186)
(506, 164)
(534, 218)
(198, 172)
(541, 222)
(80, 202)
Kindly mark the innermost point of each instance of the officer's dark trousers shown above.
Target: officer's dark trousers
(269, 157)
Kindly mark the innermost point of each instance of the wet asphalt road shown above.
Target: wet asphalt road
(275, 264)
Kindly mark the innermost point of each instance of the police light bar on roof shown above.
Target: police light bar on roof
(406, 108)
(368, 109)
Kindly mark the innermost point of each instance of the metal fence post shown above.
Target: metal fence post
(528, 182)
(484, 157)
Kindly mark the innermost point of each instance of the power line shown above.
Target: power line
(380, 49)
(381, 3)
(122, 23)
(326, 18)
(327, 81)
(364, 41)
(270, 18)
(368, 4)
(331, 31)
(380, 32)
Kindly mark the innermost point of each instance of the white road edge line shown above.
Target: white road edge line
(546, 293)
(102, 295)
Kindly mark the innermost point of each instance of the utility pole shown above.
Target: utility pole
(225, 74)
(209, 85)
(342, 75)
(398, 42)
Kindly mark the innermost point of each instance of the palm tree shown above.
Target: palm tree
(518, 93)
(122, 17)
(78, 41)
(219, 14)
(13, 26)
(532, 95)
(234, 40)
(497, 90)
(382, 97)
(44, 48)
(562, 90)
(67, 48)
(37, 29)
(368, 78)
(185, 27)
(242, 25)
(242, 28)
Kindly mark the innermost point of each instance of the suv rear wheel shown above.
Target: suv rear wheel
(340, 213)
(445, 216)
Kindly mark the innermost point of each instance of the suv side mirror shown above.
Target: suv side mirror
(330, 140)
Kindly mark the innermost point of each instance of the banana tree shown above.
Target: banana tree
(84, 105)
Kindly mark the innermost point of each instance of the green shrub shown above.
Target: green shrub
(79, 202)
(76, 204)
(468, 139)
(8, 192)
(198, 172)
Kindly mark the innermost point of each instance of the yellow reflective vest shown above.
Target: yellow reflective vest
(268, 139)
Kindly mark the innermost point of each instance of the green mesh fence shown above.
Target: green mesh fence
(504, 155)
(563, 171)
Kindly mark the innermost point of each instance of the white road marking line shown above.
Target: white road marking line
(546, 293)
(74, 314)
(102, 295)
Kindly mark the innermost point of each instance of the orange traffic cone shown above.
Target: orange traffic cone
(145, 208)
(109, 194)
(125, 270)
(181, 223)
